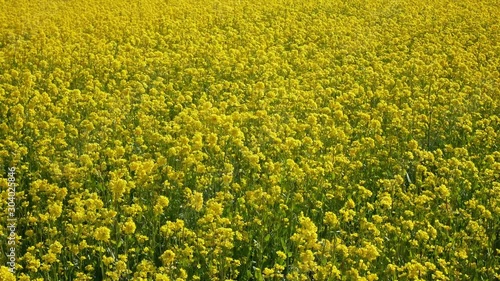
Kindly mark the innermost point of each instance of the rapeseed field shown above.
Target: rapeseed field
(250, 140)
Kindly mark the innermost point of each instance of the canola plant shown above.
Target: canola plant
(250, 140)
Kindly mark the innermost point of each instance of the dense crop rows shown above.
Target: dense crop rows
(251, 139)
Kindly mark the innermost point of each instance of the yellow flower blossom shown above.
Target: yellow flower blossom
(161, 203)
(129, 227)
(102, 234)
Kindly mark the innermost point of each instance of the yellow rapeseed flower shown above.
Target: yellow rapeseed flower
(102, 234)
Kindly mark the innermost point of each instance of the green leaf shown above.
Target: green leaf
(268, 236)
